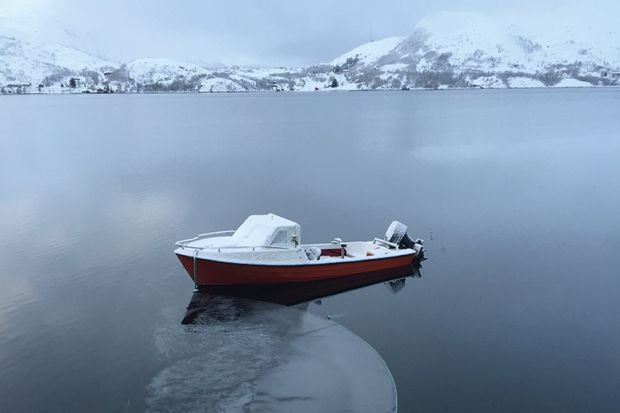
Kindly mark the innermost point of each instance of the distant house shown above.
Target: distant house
(276, 87)
(611, 74)
(106, 81)
(17, 88)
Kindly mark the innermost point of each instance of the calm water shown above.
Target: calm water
(517, 194)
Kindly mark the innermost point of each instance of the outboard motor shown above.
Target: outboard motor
(397, 234)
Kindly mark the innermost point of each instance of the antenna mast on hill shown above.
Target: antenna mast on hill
(371, 33)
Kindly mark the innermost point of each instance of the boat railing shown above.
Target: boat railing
(384, 242)
(232, 247)
(183, 243)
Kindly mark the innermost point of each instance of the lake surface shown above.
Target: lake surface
(516, 193)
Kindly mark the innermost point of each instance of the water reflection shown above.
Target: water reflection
(258, 348)
(236, 354)
(396, 285)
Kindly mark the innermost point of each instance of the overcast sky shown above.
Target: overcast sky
(267, 32)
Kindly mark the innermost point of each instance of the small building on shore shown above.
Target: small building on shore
(15, 88)
(611, 74)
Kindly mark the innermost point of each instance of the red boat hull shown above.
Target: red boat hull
(210, 272)
(295, 293)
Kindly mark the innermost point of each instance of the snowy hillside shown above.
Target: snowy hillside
(474, 47)
(160, 75)
(23, 63)
(445, 50)
(475, 50)
(162, 70)
(370, 52)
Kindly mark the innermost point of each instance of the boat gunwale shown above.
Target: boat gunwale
(405, 252)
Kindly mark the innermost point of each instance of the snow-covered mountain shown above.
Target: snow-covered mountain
(445, 50)
(25, 66)
(468, 49)
(369, 53)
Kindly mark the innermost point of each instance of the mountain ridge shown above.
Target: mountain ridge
(445, 50)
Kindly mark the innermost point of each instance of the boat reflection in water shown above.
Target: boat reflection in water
(238, 354)
(241, 349)
(296, 293)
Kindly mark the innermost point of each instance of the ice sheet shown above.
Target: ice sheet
(240, 355)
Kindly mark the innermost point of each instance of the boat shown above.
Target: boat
(266, 249)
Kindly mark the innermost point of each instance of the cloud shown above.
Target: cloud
(270, 32)
(14, 8)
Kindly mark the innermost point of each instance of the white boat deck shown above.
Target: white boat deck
(272, 240)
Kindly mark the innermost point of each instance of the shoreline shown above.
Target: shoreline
(193, 92)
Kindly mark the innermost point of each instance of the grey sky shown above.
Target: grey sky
(268, 32)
